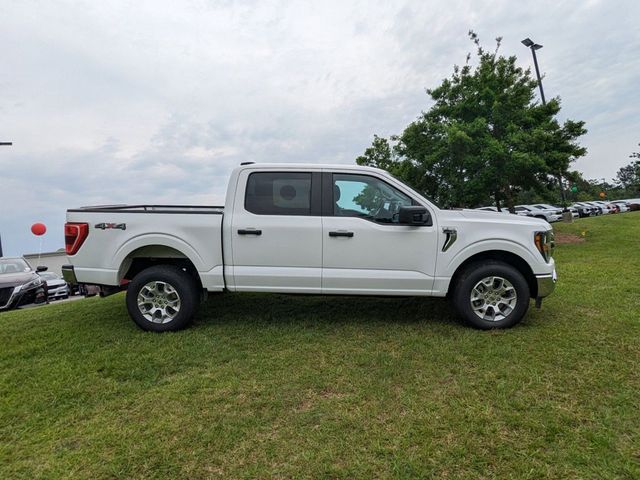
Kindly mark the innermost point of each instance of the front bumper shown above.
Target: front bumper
(21, 297)
(546, 284)
(59, 292)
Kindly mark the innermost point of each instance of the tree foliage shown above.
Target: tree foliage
(485, 138)
(628, 177)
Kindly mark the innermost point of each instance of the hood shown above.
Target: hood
(15, 279)
(497, 217)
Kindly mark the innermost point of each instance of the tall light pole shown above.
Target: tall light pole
(527, 42)
(533, 46)
(5, 144)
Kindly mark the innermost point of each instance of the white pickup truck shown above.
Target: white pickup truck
(311, 229)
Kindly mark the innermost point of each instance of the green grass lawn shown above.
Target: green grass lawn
(266, 386)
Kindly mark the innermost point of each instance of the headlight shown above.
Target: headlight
(36, 282)
(545, 243)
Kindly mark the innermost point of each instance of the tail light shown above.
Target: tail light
(74, 236)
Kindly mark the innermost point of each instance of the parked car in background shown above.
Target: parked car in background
(494, 209)
(634, 204)
(595, 208)
(606, 206)
(552, 208)
(583, 210)
(19, 284)
(530, 211)
(56, 286)
(623, 205)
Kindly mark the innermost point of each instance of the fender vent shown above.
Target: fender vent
(452, 236)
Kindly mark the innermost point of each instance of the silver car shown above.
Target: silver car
(530, 211)
(57, 287)
(551, 208)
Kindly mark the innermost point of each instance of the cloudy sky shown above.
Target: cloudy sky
(154, 101)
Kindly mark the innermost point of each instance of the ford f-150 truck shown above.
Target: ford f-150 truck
(311, 229)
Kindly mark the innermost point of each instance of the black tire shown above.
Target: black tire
(541, 217)
(472, 275)
(181, 282)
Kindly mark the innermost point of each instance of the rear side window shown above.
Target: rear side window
(278, 193)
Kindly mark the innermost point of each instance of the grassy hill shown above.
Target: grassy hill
(270, 386)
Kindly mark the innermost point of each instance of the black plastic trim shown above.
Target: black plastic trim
(316, 194)
(341, 234)
(327, 194)
(190, 209)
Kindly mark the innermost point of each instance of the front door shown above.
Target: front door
(276, 232)
(365, 250)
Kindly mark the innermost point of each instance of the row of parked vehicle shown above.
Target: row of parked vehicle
(22, 285)
(552, 213)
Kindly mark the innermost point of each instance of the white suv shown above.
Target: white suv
(550, 215)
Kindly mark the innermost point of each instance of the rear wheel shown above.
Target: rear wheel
(491, 295)
(162, 298)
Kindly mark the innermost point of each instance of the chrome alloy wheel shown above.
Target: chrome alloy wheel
(158, 302)
(493, 298)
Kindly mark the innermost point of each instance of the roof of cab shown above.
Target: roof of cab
(307, 166)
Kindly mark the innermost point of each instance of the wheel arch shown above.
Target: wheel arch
(145, 256)
(504, 256)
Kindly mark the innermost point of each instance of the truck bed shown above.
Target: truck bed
(118, 234)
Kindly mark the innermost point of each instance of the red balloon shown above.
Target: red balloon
(38, 229)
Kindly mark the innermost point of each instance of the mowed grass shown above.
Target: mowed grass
(270, 386)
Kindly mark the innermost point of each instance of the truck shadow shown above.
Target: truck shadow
(285, 309)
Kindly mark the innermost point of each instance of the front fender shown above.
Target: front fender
(450, 265)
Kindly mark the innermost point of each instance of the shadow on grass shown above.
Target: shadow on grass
(286, 309)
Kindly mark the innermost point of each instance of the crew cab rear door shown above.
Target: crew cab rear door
(366, 250)
(276, 232)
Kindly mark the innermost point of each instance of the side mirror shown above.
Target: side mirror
(41, 269)
(414, 215)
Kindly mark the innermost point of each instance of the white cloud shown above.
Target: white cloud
(111, 102)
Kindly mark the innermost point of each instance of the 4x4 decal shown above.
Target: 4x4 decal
(105, 226)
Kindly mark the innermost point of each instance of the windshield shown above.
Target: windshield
(49, 276)
(13, 265)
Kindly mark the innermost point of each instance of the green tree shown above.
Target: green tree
(484, 138)
(628, 177)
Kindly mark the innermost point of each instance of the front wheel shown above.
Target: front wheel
(491, 294)
(162, 298)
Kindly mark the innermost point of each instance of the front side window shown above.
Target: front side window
(367, 197)
(278, 193)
